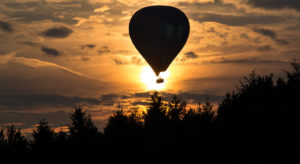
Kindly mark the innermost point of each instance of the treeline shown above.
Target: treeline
(258, 121)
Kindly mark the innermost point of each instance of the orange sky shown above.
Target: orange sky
(68, 48)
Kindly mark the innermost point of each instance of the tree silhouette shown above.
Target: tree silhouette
(124, 132)
(156, 116)
(84, 135)
(2, 141)
(61, 141)
(16, 142)
(43, 138)
(121, 124)
(176, 109)
(262, 116)
(258, 121)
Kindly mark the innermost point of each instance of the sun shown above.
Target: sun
(148, 77)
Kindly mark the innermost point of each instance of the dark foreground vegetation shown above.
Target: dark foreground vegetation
(259, 121)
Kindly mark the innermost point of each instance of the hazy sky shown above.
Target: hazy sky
(55, 54)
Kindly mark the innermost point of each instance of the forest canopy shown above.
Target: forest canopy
(259, 120)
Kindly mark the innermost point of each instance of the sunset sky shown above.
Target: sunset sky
(55, 54)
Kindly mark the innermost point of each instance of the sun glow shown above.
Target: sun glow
(148, 77)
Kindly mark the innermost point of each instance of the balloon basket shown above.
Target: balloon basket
(159, 80)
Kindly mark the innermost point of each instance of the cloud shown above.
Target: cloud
(90, 46)
(236, 20)
(265, 48)
(50, 51)
(32, 101)
(244, 61)
(109, 99)
(31, 44)
(132, 100)
(221, 35)
(85, 58)
(20, 75)
(27, 120)
(6, 27)
(224, 49)
(196, 98)
(47, 50)
(191, 55)
(244, 36)
(119, 61)
(35, 63)
(275, 4)
(44, 10)
(134, 60)
(57, 32)
(271, 34)
(103, 50)
(143, 98)
(266, 32)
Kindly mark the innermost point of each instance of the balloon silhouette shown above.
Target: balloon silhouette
(159, 33)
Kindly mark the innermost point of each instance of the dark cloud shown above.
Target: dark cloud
(58, 11)
(234, 20)
(142, 94)
(271, 34)
(224, 49)
(90, 46)
(142, 103)
(221, 35)
(134, 100)
(31, 44)
(136, 60)
(282, 42)
(221, 12)
(191, 55)
(119, 61)
(212, 30)
(265, 48)
(266, 32)
(216, 5)
(244, 36)
(244, 61)
(27, 102)
(85, 58)
(34, 76)
(57, 32)
(196, 98)
(109, 99)
(6, 27)
(293, 27)
(29, 119)
(191, 97)
(103, 50)
(275, 4)
(133, 60)
(50, 51)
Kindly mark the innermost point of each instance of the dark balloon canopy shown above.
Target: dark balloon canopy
(159, 33)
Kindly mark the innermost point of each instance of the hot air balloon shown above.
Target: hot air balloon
(159, 33)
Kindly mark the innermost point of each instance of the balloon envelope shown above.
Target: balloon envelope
(159, 33)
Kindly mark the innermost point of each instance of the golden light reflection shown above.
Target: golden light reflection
(148, 77)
